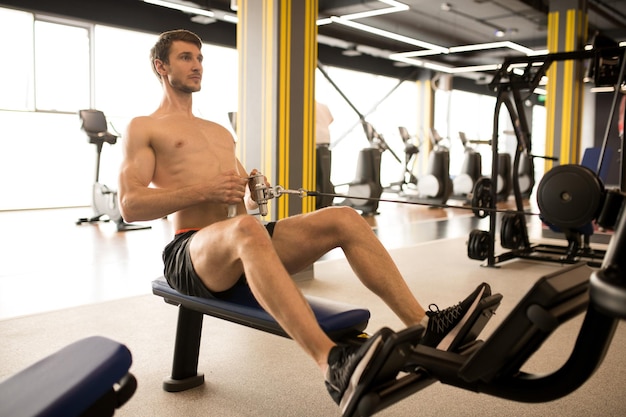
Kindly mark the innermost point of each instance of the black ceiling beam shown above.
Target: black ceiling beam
(130, 14)
(542, 6)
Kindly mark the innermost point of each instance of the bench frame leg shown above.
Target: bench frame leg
(186, 352)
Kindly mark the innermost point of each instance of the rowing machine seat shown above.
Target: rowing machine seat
(340, 321)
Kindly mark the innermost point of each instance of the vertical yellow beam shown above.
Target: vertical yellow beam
(567, 28)
(309, 178)
(296, 92)
(277, 51)
(553, 42)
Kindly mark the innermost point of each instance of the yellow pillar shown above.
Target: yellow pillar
(277, 44)
(567, 31)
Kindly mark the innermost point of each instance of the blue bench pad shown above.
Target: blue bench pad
(335, 318)
(67, 382)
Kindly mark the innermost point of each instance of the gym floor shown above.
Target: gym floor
(50, 263)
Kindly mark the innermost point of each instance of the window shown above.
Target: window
(16, 71)
(383, 103)
(61, 67)
(124, 82)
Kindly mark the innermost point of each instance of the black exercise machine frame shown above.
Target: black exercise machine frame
(509, 87)
(494, 366)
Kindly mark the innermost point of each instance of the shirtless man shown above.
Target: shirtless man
(178, 164)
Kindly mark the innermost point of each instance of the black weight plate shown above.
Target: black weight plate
(478, 245)
(511, 230)
(481, 197)
(569, 196)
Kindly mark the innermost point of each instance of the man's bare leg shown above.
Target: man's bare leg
(223, 251)
(326, 229)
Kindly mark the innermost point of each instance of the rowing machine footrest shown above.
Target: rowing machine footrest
(401, 355)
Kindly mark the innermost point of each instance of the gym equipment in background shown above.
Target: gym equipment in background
(104, 199)
(411, 149)
(435, 186)
(471, 169)
(366, 184)
(323, 164)
(572, 194)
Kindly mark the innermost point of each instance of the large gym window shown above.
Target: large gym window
(16, 71)
(385, 104)
(61, 67)
(47, 66)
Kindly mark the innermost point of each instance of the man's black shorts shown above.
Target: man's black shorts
(181, 275)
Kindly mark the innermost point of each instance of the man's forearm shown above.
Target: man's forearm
(156, 203)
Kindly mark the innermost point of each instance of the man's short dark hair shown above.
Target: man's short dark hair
(161, 49)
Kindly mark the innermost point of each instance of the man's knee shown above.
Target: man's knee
(249, 227)
(341, 218)
(346, 214)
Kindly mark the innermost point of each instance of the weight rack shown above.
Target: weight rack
(512, 90)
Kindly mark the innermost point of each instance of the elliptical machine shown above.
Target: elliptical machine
(366, 183)
(436, 186)
(411, 149)
(104, 199)
(471, 170)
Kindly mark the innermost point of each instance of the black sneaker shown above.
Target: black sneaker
(348, 366)
(445, 325)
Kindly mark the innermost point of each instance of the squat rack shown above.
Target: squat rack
(512, 90)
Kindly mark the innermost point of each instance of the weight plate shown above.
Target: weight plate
(478, 245)
(511, 230)
(569, 196)
(481, 197)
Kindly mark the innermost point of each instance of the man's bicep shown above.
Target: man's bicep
(139, 159)
(138, 168)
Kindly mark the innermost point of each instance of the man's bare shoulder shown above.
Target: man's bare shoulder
(142, 123)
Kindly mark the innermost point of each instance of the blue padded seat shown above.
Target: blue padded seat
(339, 320)
(78, 380)
(335, 318)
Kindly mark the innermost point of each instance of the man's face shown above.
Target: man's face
(184, 71)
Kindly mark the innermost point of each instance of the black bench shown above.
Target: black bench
(339, 320)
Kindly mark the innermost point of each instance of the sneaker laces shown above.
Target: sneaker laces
(442, 319)
(340, 372)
